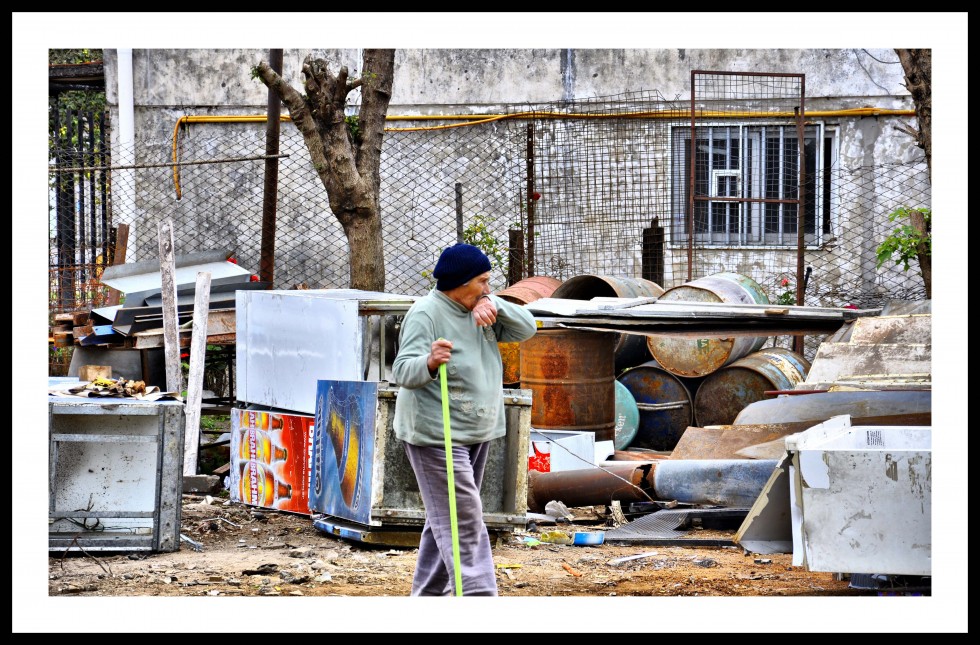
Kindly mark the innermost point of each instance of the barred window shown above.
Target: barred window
(747, 184)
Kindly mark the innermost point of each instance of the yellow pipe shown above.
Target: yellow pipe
(479, 119)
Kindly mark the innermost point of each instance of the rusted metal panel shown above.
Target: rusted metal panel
(725, 442)
(913, 329)
(530, 289)
(726, 392)
(852, 361)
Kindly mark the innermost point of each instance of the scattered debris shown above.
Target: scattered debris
(121, 387)
(618, 561)
(197, 546)
(556, 537)
(567, 567)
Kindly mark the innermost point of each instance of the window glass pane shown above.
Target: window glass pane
(765, 176)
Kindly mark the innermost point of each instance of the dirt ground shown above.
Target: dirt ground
(250, 551)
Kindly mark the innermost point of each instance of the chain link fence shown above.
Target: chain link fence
(581, 181)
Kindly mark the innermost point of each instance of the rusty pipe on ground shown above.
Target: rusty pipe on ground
(715, 482)
(588, 486)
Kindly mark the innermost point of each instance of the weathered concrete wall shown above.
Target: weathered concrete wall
(473, 80)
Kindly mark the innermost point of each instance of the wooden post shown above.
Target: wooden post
(515, 256)
(195, 376)
(118, 256)
(168, 292)
(652, 258)
(459, 213)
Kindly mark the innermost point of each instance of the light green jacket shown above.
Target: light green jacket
(474, 372)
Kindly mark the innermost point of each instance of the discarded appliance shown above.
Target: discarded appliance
(556, 450)
(288, 340)
(115, 474)
(849, 499)
(362, 486)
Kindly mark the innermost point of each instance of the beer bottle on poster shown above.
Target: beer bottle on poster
(257, 445)
(258, 485)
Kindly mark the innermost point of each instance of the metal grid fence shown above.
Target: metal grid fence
(602, 168)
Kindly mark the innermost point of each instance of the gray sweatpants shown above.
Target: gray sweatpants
(434, 573)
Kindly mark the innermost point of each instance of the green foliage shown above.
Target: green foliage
(478, 234)
(787, 297)
(903, 243)
(353, 127)
(81, 100)
(212, 422)
(70, 56)
(427, 274)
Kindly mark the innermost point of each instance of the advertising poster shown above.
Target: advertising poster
(343, 449)
(270, 459)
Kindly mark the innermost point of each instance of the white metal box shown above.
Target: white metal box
(288, 340)
(558, 450)
(115, 474)
(861, 498)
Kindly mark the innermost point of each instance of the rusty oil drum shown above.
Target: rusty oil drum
(725, 393)
(521, 293)
(697, 357)
(665, 404)
(631, 349)
(570, 373)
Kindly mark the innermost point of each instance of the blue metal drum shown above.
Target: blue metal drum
(664, 403)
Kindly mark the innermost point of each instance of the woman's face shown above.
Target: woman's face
(469, 294)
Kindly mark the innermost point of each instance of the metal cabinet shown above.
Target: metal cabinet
(115, 474)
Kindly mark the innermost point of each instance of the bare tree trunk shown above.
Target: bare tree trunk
(346, 150)
(918, 222)
(917, 64)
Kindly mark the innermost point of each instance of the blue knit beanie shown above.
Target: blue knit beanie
(458, 264)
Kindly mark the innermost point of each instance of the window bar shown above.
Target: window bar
(781, 192)
(743, 207)
(817, 183)
(711, 204)
(728, 185)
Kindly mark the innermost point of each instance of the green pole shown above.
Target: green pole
(447, 435)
